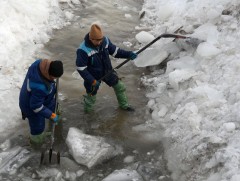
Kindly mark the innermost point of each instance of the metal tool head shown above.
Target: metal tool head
(193, 41)
(189, 44)
(50, 157)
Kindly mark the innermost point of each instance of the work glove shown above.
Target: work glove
(96, 84)
(54, 117)
(133, 55)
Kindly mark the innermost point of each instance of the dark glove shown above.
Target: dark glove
(133, 55)
(54, 117)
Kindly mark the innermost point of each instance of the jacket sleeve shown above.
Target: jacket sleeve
(36, 103)
(81, 63)
(117, 52)
(51, 103)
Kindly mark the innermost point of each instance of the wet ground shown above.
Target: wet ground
(107, 120)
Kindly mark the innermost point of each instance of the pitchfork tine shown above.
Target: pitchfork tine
(50, 155)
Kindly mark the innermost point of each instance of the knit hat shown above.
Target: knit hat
(95, 32)
(56, 68)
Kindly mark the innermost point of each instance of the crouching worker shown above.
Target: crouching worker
(37, 97)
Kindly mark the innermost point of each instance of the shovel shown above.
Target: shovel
(189, 40)
(53, 156)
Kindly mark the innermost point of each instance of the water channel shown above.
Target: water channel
(107, 120)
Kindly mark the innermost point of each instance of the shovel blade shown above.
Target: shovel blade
(193, 41)
(50, 157)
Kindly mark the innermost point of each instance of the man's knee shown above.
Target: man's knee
(119, 87)
(112, 79)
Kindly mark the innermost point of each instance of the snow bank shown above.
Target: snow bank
(24, 27)
(195, 105)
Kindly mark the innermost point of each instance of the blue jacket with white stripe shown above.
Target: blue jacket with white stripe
(94, 62)
(37, 93)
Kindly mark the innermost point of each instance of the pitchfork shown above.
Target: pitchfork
(51, 152)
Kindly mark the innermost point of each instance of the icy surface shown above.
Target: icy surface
(12, 159)
(144, 37)
(194, 106)
(123, 175)
(150, 57)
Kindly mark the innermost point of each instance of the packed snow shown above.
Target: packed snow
(24, 27)
(193, 106)
(123, 175)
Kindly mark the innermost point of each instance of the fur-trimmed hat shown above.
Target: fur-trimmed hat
(56, 68)
(95, 32)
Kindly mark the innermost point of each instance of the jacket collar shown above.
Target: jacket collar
(44, 67)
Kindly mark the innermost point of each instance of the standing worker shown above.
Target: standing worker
(37, 100)
(93, 62)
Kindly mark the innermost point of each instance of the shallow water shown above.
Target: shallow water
(107, 120)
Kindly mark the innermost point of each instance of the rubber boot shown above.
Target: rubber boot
(120, 92)
(37, 140)
(89, 101)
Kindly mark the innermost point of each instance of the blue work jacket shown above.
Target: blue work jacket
(37, 93)
(94, 62)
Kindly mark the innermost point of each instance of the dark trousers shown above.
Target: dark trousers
(36, 124)
(110, 80)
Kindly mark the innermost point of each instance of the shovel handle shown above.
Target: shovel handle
(52, 131)
(52, 135)
(144, 48)
(56, 108)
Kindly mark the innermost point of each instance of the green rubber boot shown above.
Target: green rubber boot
(38, 140)
(120, 89)
(89, 102)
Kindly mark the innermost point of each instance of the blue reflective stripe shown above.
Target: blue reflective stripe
(91, 51)
(34, 85)
(86, 49)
